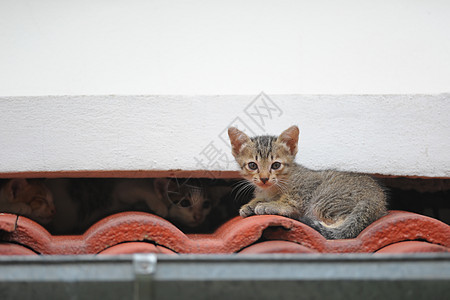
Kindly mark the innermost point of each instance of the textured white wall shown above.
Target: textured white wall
(102, 47)
(112, 47)
(399, 135)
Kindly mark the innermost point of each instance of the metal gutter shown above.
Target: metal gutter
(274, 276)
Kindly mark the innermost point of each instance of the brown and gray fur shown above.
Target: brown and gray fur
(337, 204)
(29, 198)
(84, 201)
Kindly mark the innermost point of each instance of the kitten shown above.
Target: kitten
(182, 201)
(84, 201)
(31, 199)
(337, 204)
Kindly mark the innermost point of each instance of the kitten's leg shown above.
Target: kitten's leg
(20, 209)
(161, 210)
(285, 206)
(157, 206)
(249, 208)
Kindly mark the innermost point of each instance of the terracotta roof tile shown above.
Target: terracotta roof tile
(413, 247)
(133, 232)
(135, 247)
(13, 249)
(276, 247)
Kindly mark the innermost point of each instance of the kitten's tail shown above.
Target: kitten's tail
(349, 227)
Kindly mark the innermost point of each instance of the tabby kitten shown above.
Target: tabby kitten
(337, 204)
(181, 201)
(29, 198)
(83, 201)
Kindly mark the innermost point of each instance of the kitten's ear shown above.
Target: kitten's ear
(160, 185)
(237, 139)
(15, 185)
(290, 138)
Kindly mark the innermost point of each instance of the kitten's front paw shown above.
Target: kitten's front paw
(249, 208)
(246, 210)
(276, 208)
(162, 211)
(22, 209)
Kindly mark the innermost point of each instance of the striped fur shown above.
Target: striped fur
(337, 204)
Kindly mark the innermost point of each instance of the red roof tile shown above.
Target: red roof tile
(133, 232)
(136, 247)
(13, 249)
(276, 247)
(412, 247)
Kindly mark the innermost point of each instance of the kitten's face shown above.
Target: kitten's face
(190, 206)
(265, 161)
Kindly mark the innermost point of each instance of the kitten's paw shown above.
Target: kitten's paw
(275, 208)
(246, 210)
(162, 211)
(249, 208)
(22, 209)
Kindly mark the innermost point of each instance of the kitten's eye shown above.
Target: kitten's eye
(185, 203)
(36, 203)
(252, 166)
(206, 205)
(276, 165)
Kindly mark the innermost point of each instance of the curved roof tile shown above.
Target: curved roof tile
(133, 232)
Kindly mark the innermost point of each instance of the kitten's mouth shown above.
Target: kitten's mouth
(264, 185)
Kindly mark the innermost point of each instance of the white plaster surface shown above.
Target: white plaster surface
(295, 47)
(191, 47)
(387, 134)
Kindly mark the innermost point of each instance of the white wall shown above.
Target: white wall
(396, 135)
(84, 47)
(216, 47)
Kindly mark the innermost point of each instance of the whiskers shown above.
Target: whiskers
(242, 188)
(282, 185)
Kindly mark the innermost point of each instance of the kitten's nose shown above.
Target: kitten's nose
(264, 180)
(197, 217)
(52, 211)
